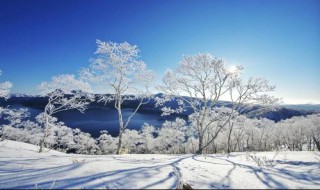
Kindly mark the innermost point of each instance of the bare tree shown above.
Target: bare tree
(119, 72)
(64, 92)
(198, 84)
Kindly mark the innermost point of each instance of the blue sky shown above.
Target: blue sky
(278, 40)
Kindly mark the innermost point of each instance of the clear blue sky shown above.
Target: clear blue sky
(279, 40)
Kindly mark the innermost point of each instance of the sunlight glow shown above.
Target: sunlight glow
(234, 69)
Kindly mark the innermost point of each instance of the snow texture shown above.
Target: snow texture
(21, 166)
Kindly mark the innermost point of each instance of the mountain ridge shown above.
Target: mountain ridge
(283, 112)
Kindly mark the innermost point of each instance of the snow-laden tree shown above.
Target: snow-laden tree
(17, 128)
(118, 70)
(238, 132)
(213, 121)
(5, 88)
(4, 93)
(235, 132)
(84, 143)
(294, 133)
(315, 119)
(131, 140)
(246, 135)
(230, 127)
(200, 81)
(263, 135)
(147, 138)
(171, 136)
(64, 138)
(245, 95)
(302, 132)
(191, 145)
(14, 117)
(64, 92)
(309, 130)
(107, 143)
(32, 132)
(52, 127)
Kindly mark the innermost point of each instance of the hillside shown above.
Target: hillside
(22, 167)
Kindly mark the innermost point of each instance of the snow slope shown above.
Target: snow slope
(22, 167)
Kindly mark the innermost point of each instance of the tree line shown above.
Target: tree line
(173, 137)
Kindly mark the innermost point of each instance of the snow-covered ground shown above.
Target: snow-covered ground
(22, 167)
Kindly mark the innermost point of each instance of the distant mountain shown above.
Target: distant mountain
(284, 112)
(311, 107)
(22, 95)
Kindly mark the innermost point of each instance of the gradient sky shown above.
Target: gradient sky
(278, 40)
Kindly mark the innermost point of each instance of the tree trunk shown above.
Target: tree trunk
(293, 146)
(200, 150)
(41, 145)
(313, 146)
(119, 142)
(46, 128)
(317, 142)
(252, 145)
(192, 145)
(300, 147)
(229, 142)
(310, 142)
(229, 138)
(121, 125)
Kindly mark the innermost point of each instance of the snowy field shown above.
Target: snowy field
(22, 167)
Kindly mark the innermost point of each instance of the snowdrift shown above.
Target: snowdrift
(21, 166)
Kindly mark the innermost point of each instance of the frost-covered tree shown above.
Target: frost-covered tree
(213, 122)
(4, 93)
(191, 145)
(147, 138)
(171, 136)
(294, 132)
(107, 143)
(244, 95)
(16, 128)
(302, 131)
(32, 132)
(64, 138)
(198, 84)
(52, 126)
(118, 70)
(315, 119)
(131, 140)
(282, 134)
(5, 88)
(84, 143)
(235, 132)
(263, 127)
(64, 92)
(14, 117)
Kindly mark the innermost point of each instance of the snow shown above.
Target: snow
(21, 166)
